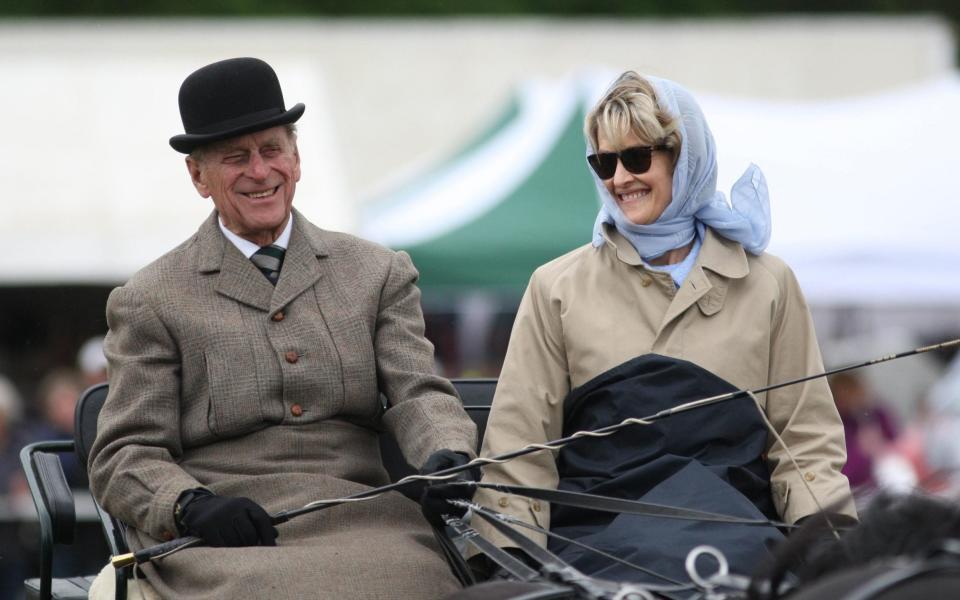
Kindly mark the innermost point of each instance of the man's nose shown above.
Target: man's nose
(257, 167)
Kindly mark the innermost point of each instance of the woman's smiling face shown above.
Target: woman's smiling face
(641, 197)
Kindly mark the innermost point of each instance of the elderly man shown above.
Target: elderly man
(245, 371)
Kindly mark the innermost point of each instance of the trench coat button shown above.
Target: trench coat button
(809, 476)
(536, 506)
(503, 502)
(296, 410)
(645, 282)
(291, 357)
(278, 316)
(167, 536)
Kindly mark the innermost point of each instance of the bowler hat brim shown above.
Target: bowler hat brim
(188, 142)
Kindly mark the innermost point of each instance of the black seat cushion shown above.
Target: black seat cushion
(68, 588)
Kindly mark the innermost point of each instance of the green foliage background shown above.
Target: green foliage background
(638, 8)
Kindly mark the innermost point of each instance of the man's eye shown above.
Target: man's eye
(272, 151)
(233, 158)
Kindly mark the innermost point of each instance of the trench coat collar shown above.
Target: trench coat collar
(719, 261)
(241, 280)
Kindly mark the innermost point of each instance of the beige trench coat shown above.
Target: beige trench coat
(220, 380)
(739, 316)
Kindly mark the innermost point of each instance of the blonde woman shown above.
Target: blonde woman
(673, 300)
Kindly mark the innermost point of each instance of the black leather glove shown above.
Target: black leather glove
(225, 521)
(433, 500)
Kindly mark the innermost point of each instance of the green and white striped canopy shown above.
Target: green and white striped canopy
(515, 197)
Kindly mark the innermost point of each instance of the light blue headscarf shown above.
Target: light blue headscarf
(696, 201)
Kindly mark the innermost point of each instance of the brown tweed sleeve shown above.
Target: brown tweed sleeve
(133, 473)
(425, 414)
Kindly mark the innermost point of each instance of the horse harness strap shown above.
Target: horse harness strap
(623, 505)
(501, 557)
(552, 566)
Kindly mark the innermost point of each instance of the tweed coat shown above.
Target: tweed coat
(219, 380)
(741, 317)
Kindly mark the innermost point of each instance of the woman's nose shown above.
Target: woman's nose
(621, 175)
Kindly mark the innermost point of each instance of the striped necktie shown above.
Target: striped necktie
(269, 259)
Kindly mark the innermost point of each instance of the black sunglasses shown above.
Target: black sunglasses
(636, 160)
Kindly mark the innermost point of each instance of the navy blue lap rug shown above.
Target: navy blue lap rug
(708, 459)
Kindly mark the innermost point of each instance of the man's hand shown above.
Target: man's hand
(225, 521)
(433, 500)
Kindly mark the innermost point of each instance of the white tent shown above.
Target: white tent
(865, 206)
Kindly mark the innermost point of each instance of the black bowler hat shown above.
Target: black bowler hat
(229, 98)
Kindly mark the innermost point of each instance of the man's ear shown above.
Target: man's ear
(296, 167)
(196, 176)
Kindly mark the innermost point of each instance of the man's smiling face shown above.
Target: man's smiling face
(251, 179)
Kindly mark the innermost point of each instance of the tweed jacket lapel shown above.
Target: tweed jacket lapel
(239, 278)
(301, 270)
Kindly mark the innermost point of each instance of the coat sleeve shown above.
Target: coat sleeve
(804, 415)
(527, 408)
(133, 469)
(425, 414)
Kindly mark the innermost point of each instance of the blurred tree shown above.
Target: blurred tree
(947, 9)
(667, 8)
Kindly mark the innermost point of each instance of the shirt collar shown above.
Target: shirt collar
(679, 271)
(248, 248)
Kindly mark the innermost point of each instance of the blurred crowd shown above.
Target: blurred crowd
(889, 450)
(47, 414)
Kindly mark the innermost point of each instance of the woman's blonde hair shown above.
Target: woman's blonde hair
(630, 106)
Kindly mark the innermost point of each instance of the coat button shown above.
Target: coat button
(167, 536)
(503, 502)
(292, 357)
(536, 506)
(809, 476)
(645, 282)
(296, 410)
(277, 316)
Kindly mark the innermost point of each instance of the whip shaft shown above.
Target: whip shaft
(160, 550)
